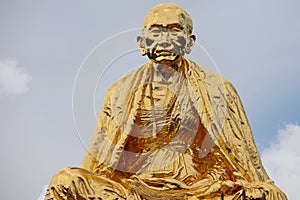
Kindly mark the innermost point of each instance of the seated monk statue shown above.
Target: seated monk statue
(170, 129)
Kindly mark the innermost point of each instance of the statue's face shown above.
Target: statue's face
(166, 38)
(165, 43)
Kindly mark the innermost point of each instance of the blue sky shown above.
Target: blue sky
(255, 44)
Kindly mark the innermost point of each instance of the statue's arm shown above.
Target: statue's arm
(108, 138)
(244, 144)
(245, 150)
(99, 143)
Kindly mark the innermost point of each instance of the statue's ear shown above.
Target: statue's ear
(141, 45)
(190, 43)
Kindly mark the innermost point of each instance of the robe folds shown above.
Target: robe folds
(185, 136)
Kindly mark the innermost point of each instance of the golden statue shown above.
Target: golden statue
(170, 129)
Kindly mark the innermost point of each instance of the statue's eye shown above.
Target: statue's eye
(155, 32)
(175, 31)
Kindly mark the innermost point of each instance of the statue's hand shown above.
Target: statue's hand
(252, 190)
(254, 193)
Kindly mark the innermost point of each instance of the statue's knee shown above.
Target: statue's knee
(65, 176)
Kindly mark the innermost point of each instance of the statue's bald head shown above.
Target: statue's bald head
(165, 14)
(167, 34)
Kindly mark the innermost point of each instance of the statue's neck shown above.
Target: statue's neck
(167, 69)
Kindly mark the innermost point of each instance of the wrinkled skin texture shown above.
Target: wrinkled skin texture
(166, 44)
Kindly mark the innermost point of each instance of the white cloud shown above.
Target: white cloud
(13, 79)
(282, 160)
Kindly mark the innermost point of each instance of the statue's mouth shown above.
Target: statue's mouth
(164, 53)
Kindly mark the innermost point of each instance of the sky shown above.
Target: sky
(46, 117)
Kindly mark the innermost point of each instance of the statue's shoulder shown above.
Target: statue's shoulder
(210, 78)
(129, 79)
(205, 73)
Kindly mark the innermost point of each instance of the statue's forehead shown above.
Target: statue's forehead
(165, 17)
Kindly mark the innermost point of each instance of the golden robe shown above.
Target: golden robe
(180, 137)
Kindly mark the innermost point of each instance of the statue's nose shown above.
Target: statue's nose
(164, 44)
(165, 35)
(165, 40)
